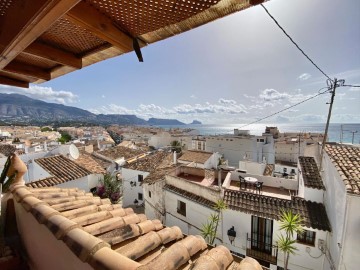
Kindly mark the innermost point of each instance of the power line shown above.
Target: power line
(292, 106)
(297, 46)
(349, 85)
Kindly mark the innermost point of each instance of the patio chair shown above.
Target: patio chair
(258, 186)
(242, 182)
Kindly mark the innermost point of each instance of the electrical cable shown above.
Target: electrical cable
(292, 106)
(297, 46)
(349, 85)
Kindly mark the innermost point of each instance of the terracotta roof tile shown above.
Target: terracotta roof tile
(195, 156)
(119, 152)
(89, 162)
(62, 170)
(313, 214)
(7, 149)
(346, 160)
(106, 235)
(148, 163)
(310, 173)
(190, 196)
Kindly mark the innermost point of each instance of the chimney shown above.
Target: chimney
(175, 157)
(45, 146)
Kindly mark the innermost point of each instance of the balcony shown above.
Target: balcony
(261, 251)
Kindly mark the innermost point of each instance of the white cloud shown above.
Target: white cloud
(193, 97)
(314, 118)
(304, 77)
(103, 96)
(268, 104)
(112, 109)
(43, 93)
(298, 97)
(227, 101)
(354, 89)
(273, 95)
(222, 107)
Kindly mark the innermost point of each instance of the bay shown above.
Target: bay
(337, 132)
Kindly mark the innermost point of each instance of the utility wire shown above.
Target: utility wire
(297, 46)
(349, 85)
(319, 93)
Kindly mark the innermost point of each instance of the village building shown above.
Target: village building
(241, 146)
(135, 172)
(341, 175)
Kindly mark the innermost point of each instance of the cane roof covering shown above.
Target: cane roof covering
(52, 37)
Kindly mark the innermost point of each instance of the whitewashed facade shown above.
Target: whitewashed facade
(132, 186)
(244, 147)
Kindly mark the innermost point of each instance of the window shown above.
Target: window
(149, 194)
(140, 196)
(140, 178)
(306, 237)
(181, 208)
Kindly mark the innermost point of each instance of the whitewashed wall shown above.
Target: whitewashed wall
(196, 214)
(335, 204)
(36, 172)
(130, 193)
(242, 226)
(205, 192)
(154, 205)
(313, 194)
(81, 183)
(350, 258)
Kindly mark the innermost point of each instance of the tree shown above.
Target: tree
(176, 146)
(209, 229)
(65, 137)
(109, 187)
(291, 224)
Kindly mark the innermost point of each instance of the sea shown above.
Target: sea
(345, 133)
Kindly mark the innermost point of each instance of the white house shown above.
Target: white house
(341, 175)
(200, 159)
(242, 146)
(135, 172)
(253, 215)
(60, 171)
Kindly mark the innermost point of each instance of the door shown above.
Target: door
(261, 234)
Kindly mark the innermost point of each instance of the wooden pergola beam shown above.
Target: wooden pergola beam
(25, 21)
(27, 70)
(100, 25)
(13, 82)
(53, 54)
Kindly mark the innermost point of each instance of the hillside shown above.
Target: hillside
(20, 109)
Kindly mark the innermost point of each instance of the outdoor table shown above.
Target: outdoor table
(251, 180)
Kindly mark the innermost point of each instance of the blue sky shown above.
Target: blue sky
(234, 70)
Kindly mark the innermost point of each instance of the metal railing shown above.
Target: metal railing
(261, 250)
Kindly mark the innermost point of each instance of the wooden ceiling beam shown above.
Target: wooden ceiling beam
(27, 70)
(100, 25)
(25, 21)
(13, 82)
(54, 54)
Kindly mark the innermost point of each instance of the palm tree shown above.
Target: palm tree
(209, 229)
(291, 224)
(176, 146)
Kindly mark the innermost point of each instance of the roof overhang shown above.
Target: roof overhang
(44, 39)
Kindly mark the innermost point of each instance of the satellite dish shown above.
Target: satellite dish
(73, 152)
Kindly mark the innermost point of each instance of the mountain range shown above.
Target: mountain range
(15, 108)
